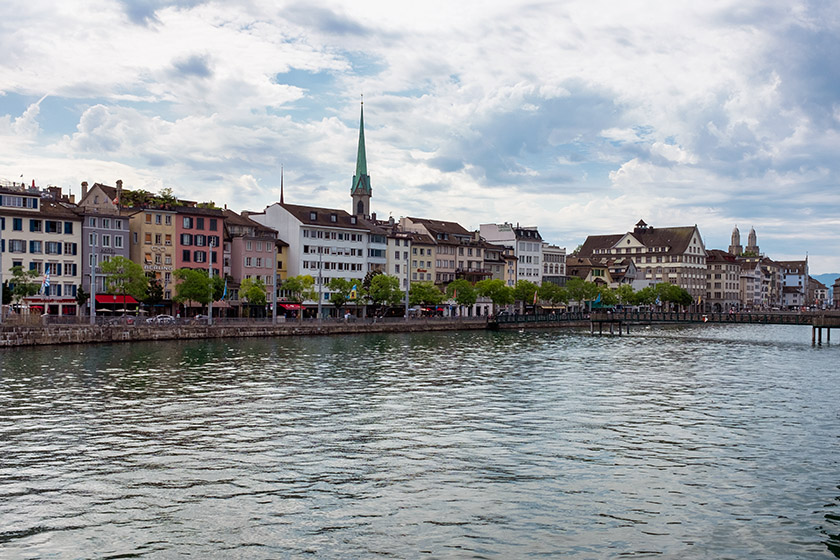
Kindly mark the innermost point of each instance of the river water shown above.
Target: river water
(711, 441)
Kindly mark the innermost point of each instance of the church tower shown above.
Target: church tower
(752, 243)
(360, 192)
(735, 245)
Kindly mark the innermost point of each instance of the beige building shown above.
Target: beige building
(675, 255)
(152, 244)
(723, 282)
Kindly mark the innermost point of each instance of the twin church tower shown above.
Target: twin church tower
(735, 244)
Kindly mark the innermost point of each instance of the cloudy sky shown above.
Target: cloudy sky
(580, 117)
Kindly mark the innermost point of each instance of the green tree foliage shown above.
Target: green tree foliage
(645, 296)
(301, 288)
(581, 291)
(608, 296)
(385, 290)
(194, 285)
(553, 294)
(253, 291)
(625, 293)
(424, 293)
(495, 289)
(124, 277)
(154, 293)
(524, 291)
(673, 294)
(462, 291)
(342, 290)
(145, 199)
(24, 283)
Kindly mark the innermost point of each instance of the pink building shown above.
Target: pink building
(251, 252)
(198, 238)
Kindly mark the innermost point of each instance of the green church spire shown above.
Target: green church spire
(361, 180)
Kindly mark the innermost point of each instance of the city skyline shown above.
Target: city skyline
(580, 118)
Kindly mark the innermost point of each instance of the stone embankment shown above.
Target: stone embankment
(38, 335)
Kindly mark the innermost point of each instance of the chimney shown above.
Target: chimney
(119, 192)
(84, 189)
(373, 217)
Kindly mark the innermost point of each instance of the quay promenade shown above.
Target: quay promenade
(34, 333)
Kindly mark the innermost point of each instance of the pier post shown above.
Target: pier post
(611, 328)
(813, 335)
(591, 327)
(828, 334)
(600, 328)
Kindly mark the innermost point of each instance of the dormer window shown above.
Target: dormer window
(353, 220)
(313, 216)
(333, 218)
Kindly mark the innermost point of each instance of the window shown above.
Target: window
(52, 247)
(34, 246)
(188, 222)
(214, 224)
(148, 239)
(17, 246)
(259, 261)
(199, 240)
(68, 227)
(148, 218)
(313, 216)
(17, 224)
(186, 239)
(147, 258)
(248, 246)
(158, 218)
(157, 258)
(168, 220)
(185, 256)
(199, 223)
(117, 224)
(199, 256)
(167, 259)
(34, 225)
(135, 237)
(106, 223)
(70, 249)
(158, 238)
(248, 261)
(168, 238)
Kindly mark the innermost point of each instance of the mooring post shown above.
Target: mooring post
(819, 336)
(591, 327)
(828, 334)
(611, 328)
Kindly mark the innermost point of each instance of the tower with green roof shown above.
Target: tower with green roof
(360, 191)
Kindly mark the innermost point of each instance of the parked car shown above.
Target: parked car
(162, 320)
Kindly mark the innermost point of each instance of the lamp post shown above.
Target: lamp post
(274, 288)
(92, 263)
(407, 275)
(1, 270)
(210, 275)
(320, 280)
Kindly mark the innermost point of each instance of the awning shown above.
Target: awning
(110, 299)
(290, 305)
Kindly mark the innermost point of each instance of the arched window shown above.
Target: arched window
(360, 207)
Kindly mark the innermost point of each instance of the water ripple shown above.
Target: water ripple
(715, 442)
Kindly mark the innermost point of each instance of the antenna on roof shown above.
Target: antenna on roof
(281, 183)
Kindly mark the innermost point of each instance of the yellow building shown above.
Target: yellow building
(152, 244)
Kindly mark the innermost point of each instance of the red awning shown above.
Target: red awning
(290, 305)
(107, 298)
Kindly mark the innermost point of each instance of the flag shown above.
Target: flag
(535, 297)
(224, 292)
(598, 299)
(353, 292)
(116, 201)
(658, 301)
(45, 285)
(455, 293)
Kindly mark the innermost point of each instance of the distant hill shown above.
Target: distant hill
(828, 279)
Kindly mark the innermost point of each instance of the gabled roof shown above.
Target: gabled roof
(323, 216)
(677, 239)
(232, 218)
(441, 226)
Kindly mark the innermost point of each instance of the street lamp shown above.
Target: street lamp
(407, 274)
(210, 275)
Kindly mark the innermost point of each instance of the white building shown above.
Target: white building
(526, 244)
